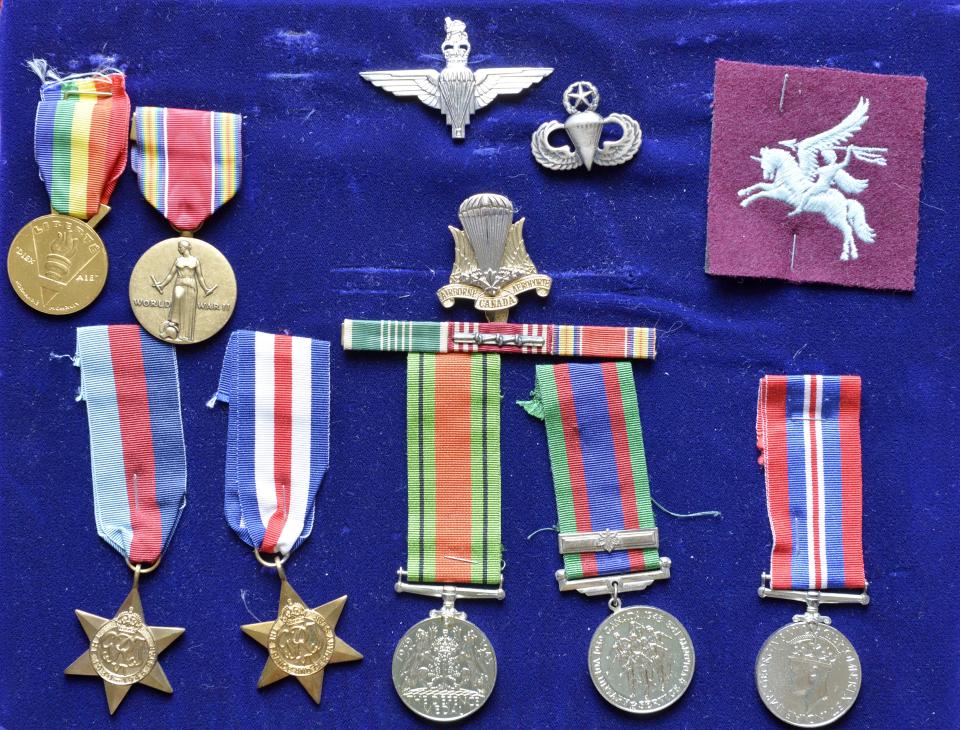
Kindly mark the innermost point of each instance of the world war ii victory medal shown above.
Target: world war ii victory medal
(278, 449)
(189, 163)
(129, 382)
(808, 429)
(57, 263)
(457, 91)
(640, 659)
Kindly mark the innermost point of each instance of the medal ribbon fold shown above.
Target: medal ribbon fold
(278, 436)
(130, 384)
(596, 455)
(555, 339)
(188, 162)
(453, 468)
(808, 433)
(80, 141)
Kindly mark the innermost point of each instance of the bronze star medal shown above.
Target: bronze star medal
(301, 641)
(123, 650)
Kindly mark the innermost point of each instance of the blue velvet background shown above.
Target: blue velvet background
(346, 197)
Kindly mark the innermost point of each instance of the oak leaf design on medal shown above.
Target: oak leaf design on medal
(456, 90)
(811, 176)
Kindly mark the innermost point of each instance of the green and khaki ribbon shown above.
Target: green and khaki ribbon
(453, 466)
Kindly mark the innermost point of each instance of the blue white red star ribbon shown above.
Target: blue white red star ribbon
(278, 441)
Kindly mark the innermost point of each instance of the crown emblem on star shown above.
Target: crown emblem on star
(129, 619)
(293, 612)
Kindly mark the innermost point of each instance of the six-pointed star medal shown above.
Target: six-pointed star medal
(301, 641)
(123, 650)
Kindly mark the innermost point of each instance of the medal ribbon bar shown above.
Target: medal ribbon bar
(188, 162)
(537, 339)
(600, 477)
(80, 141)
(129, 382)
(808, 431)
(453, 472)
(278, 441)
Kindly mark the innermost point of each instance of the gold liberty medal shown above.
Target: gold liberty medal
(183, 290)
(124, 649)
(301, 641)
(57, 263)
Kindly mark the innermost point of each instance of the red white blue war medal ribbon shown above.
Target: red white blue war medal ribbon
(808, 432)
(189, 163)
(129, 382)
(641, 659)
(278, 449)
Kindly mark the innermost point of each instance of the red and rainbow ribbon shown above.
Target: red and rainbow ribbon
(597, 459)
(80, 141)
(129, 382)
(278, 438)
(188, 162)
(453, 468)
(808, 432)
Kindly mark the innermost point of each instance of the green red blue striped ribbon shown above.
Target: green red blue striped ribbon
(453, 468)
(188, 162)
(808, 432)
(129, 382)
(597, 459)
(80, 141)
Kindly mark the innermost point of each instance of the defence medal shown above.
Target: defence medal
(491, 265)
(182, 289)
(640, 659)
(129, 382)
(584, 127)
(457, 91)
(444, 667)
(808, 429)
(278, 448)
(57, 263)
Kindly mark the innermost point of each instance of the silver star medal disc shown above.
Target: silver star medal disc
(641, 659)
(457, 90)
(584, 127)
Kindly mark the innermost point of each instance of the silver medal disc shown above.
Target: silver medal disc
(808, 674)
(444, 668)
(641, 659)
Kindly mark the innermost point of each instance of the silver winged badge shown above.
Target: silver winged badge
(456, 90)
(491, 265)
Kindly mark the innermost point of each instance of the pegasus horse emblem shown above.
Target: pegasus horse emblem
(816, 180)
(457, 91)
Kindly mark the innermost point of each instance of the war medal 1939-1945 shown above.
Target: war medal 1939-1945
(182, 289)
(584, 127)
(808, 428)
(57, 263)
(491, 265)
(640, 659)
(278, 388)
(457, 91)
(444, 667)
(129, 382)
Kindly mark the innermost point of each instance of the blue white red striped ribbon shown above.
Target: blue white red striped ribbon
(278, 442)
(129, 381)
(808, 431)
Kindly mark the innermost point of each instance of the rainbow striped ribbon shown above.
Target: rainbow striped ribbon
(129, 382)
(808, 432)
(278, 438)
(80, 141)
(537, 339)
(188, 162)
(597, 459)
(453, 468)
